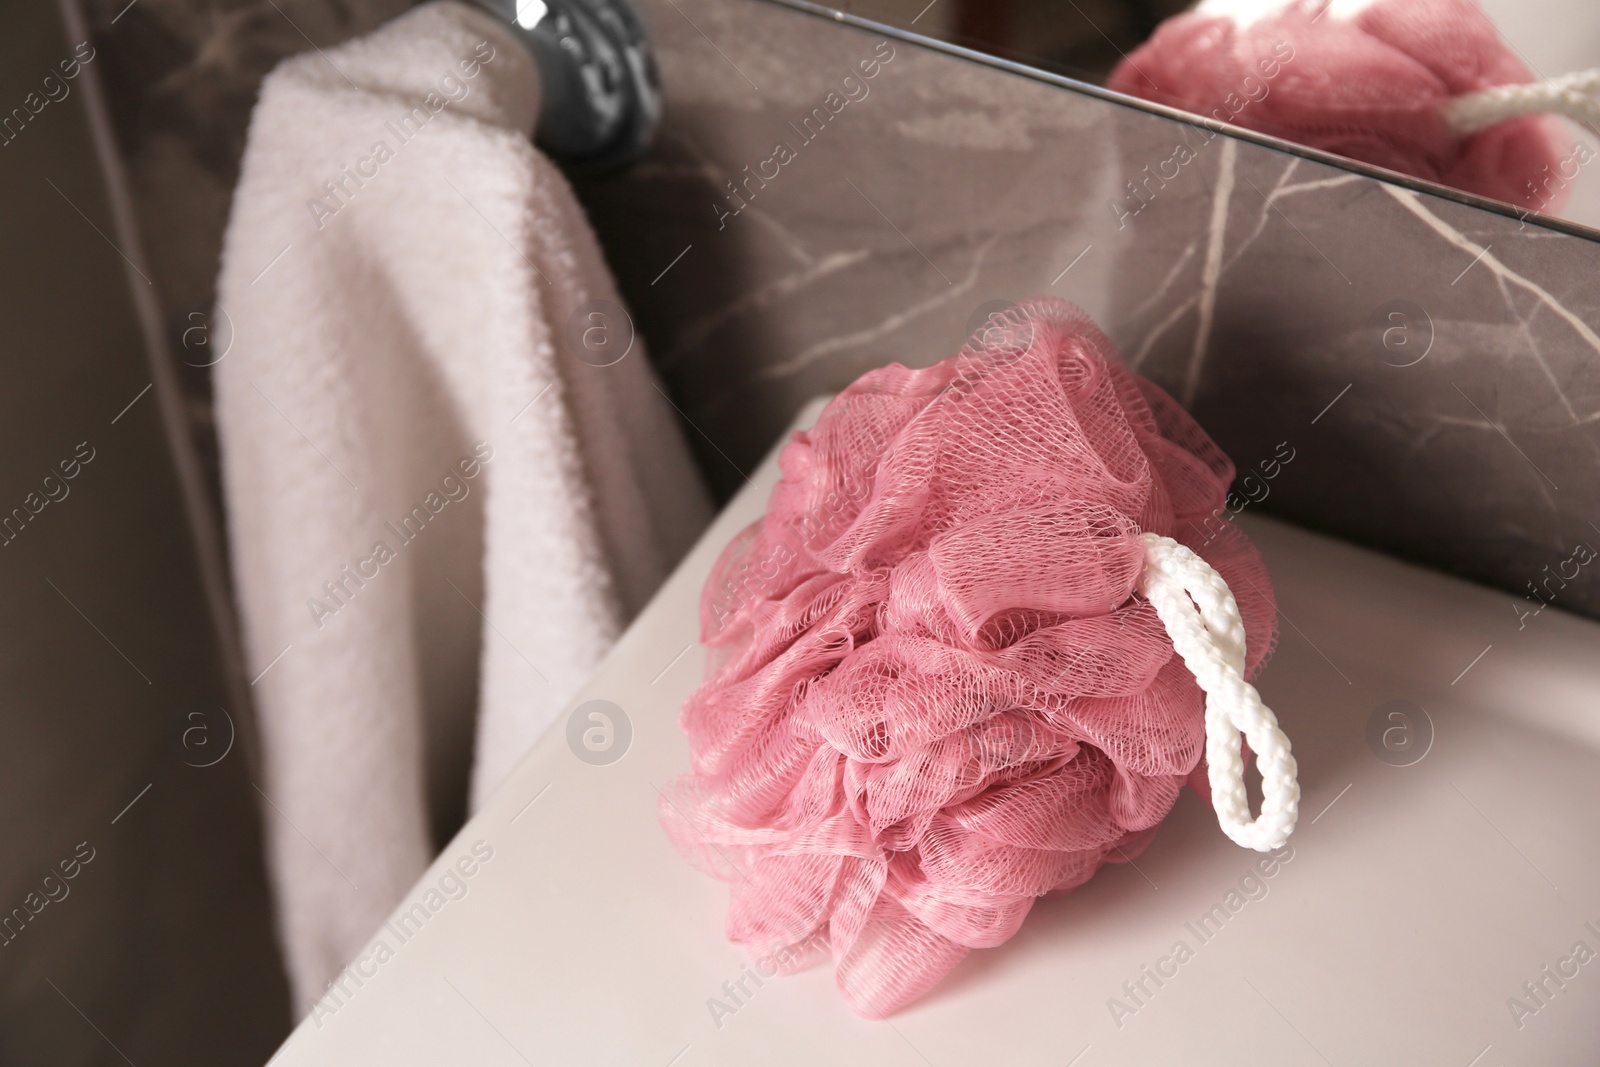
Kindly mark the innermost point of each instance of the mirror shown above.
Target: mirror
(1532, 165)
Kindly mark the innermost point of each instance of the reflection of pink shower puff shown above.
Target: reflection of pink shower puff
(932, 696)
(1365, 80)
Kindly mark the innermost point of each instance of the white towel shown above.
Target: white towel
(437, 511)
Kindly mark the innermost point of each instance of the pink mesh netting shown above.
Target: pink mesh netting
(931, 694)
(1370, 86)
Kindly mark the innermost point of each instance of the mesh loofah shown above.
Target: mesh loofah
(932, 695)
(1369, 81)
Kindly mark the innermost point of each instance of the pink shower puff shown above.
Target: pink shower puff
(1366, 82)
(932, 695)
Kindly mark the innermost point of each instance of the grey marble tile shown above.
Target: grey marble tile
(181, 78)
(1255, 285)
(1431, 365)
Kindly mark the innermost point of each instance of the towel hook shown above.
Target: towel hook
(602, 95)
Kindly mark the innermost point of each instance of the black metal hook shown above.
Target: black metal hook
(602, 94)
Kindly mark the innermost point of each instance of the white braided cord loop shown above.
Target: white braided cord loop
(1576, 95)
(1202, 618)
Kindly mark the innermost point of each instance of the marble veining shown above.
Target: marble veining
(1260, 288)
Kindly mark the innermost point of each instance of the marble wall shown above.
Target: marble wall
(181, 78)
(1431, 366)
(1456, 346)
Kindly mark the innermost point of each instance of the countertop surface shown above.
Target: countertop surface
(1441, 903)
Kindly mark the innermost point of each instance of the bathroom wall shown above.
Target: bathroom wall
(134, 919)
(953, 185)
(1430, 366)
(181, 78)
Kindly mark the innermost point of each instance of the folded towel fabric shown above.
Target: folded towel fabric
(449, 477)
